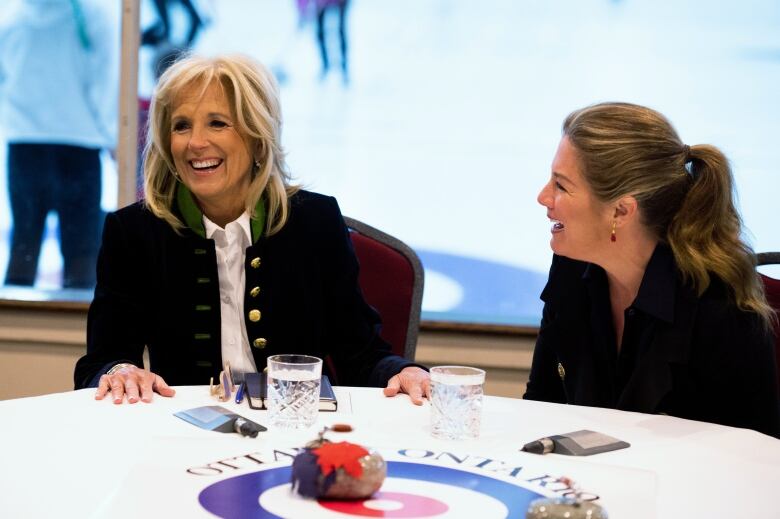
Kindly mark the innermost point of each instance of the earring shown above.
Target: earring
(613, 237)
(257, 164)
(175, 174)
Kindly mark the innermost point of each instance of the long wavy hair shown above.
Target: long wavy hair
(685, 194)
(254, 97)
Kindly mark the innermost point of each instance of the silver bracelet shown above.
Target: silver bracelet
(117, 367)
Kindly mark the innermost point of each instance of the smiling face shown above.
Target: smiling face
(581, 225)
(213, 158)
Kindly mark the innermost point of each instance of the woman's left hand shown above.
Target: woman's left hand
(414, 381)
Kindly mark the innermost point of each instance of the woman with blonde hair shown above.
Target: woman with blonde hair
(225, 259)
(653, 303)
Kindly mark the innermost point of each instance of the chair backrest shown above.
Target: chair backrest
(772, 290)
(391, 278)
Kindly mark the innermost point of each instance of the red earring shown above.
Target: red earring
(613, 237)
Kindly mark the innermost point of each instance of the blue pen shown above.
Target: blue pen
(240, 393)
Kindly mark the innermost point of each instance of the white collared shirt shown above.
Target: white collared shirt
(231, 243)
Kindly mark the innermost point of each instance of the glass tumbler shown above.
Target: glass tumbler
(456, 402)
(293, 390)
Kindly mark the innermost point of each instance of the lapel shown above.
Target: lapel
(570, 331)
(671, 344)
(601, 330)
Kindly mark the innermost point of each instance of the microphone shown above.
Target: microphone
(217, 418)
(245, 428)
(540, 446)
(577, 443)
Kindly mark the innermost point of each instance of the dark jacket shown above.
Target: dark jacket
(160, 289)
(693, 357)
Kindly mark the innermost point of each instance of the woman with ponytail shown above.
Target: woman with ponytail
(653, 303)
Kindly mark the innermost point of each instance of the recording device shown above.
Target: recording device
(217, 418)
(577, 443)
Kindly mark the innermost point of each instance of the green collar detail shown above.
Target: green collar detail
(190, 211)
(193, 217)
(257, 223)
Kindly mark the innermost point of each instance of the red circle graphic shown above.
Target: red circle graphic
(411, 506)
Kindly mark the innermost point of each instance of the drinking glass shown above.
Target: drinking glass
(293, 390)
(456, 402)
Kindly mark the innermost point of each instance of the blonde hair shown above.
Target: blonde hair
(685, 194)
(254, 98)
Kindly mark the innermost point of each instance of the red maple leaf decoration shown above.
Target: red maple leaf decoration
(331, 456)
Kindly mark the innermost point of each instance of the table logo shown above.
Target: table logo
(411, 490)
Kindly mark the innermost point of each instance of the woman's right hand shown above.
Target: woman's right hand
(134, 382)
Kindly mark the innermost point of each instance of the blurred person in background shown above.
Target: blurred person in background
(159, 33)
(320, 10)
(58, 110)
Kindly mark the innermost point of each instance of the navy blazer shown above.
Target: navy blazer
(159, 289)
(696, 357)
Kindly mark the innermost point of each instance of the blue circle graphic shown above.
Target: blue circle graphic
(238, 497)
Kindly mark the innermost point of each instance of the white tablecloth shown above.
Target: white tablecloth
(67, 455)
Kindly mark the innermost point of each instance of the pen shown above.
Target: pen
(240, 392)
(540, 446)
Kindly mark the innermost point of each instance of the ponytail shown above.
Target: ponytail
(704, 234)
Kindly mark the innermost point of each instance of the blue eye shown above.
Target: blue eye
(218, 124)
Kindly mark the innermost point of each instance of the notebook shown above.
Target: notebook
(256, 385)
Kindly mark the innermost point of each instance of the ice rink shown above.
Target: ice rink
(444, 132)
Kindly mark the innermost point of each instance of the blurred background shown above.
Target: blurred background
(436, 120)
